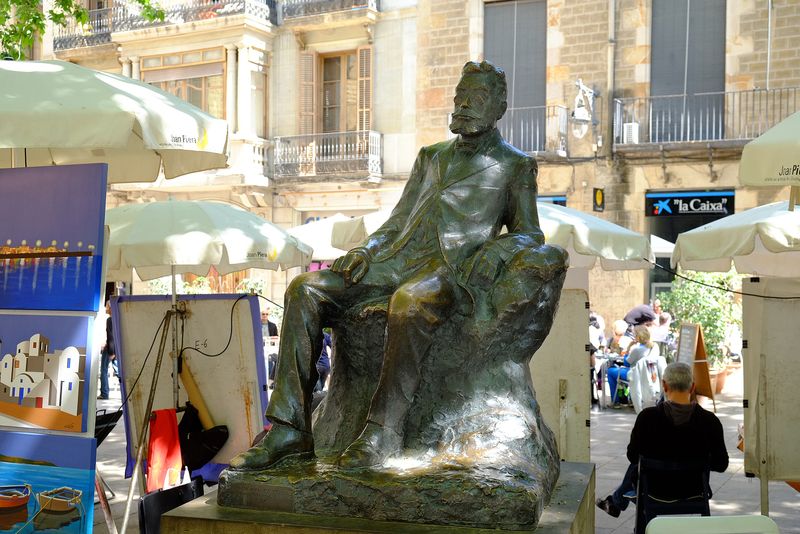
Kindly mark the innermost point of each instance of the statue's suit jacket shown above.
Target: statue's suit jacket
(469, 200)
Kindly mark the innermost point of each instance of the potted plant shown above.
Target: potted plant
(698, 301)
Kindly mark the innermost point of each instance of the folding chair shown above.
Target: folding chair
(723, 524)
(153, 505)
(652, 501)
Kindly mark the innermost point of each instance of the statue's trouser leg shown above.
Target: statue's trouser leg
(309, 298)
(416, 310)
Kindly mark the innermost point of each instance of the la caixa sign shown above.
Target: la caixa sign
(689, 203)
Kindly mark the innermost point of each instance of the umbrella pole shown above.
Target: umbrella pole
(174, 341)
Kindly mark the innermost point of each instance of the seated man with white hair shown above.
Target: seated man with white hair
(677, 429)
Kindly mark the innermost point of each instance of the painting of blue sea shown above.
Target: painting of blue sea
(51, 238)
(49, 481)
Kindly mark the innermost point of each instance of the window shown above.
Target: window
(336, 91)
(196, 77)
(16, 364)
(34, 344)
(70, 387)
(339, 93)
(687, 74)
(68, 362)
(515, 36)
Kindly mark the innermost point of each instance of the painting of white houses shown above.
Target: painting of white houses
(35, 377)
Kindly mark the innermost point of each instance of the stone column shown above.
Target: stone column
(126, 66)
(135, 72)
(230, 86)
(244, 123)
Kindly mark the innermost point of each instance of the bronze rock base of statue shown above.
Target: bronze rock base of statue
(440, 493)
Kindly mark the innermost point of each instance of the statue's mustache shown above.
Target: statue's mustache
(465, 115)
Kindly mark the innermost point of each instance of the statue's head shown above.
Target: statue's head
(480, 98)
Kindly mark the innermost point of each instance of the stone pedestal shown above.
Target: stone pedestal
(570, 512)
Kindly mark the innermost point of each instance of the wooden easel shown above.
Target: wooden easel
(692, 350)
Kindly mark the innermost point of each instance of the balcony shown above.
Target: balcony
(124, 17)
(74, 35)
(728, 119)
(250, 156)
(304, 8)
(540, 130)
(348, 154)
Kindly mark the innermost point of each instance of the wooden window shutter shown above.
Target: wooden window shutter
(364, 88)
(308, 91)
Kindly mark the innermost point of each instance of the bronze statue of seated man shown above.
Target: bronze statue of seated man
(437, 257)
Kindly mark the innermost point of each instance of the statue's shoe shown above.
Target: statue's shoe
(282, 441)
(375, 444)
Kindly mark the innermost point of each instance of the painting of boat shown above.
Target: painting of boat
(59, 500)
(14, 496)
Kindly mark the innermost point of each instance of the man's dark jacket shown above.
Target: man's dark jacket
(655, 436)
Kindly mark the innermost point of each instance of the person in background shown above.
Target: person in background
(618, 349)
(657, 307)
(677, 429)
(620, 341)
(324, 362)
(597, 344)
(268, 328)
(107, 355)
(642, 314)
(597, 336)
(643, 348)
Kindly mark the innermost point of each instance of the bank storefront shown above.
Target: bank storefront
(669, 213)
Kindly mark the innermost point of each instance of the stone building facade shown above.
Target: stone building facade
(330, 100)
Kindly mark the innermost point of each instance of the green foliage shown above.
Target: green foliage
(713, 309)
(160, 286)
(199, 286)
(252, 285)
(23, 21)
(163, 286)
(259, 287)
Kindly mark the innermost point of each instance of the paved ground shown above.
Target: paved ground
(733, 492)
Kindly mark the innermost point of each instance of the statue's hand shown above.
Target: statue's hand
(352, 266)
(486, 266)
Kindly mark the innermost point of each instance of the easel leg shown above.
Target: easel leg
(101, 494)
(763, 468)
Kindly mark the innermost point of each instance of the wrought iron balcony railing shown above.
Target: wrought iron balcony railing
(346, 153)
(702, 117)
(74, 35)
(302, 8)
(536, 129)
(124, 17)
(127, 17)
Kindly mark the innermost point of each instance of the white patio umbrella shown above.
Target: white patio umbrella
(762, 241)
(318, 234)
(585, 237)
(60, 114)
(661, 247)
(771, 158)
(173, 237)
